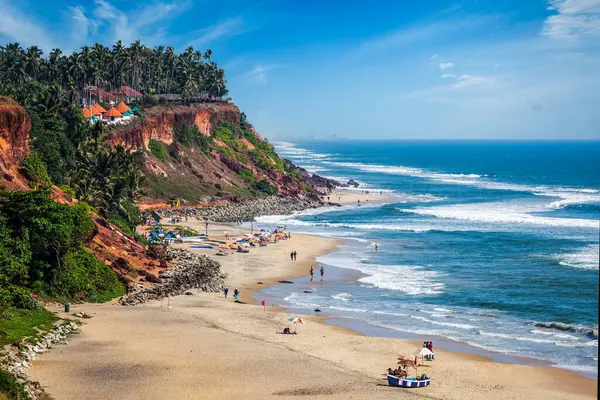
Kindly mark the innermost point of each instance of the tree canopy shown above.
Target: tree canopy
(148, 70)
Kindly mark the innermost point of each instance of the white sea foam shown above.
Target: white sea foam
(342, 296)
(500, 212)
(586, 258)
(566, 195)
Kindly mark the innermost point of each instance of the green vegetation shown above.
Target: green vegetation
(158, 149)
(18, 324)
(10, 389)
(158, 70)
(68, 191)
(224, 150)
(188, 136)
(35, 169)
(264, 187)
(41, 251)
(247, 175)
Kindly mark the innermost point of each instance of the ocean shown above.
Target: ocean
(490, 244)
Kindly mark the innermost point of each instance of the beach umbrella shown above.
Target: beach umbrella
(423, 352)
(297, 320)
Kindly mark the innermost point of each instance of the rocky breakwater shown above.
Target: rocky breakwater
(19, 357)
(249, 209)
(190, 271)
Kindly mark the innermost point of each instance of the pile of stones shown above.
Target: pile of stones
(190, 271)
(250, 209)
(19, 359)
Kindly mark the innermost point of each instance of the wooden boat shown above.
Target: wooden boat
(407, 382)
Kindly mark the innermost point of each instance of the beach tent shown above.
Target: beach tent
(423, 352)
(134, 109)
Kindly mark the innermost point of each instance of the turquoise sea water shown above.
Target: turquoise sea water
(491, 244)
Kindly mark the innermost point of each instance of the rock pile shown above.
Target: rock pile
(18, 360)
(248, 210)
(191, 271)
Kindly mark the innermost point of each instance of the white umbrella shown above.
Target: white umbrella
(423, 352)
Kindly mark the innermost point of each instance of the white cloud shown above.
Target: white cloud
(229, 27)
(446, 65)
(574, 20)
(433, 57)
(259, 73)
(139, 23)
(445, 76)
(470, 81)
(20, 27)
(81, 28)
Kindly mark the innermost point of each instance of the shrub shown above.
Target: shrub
(82, 275)
(35, 169)
(224, 150)
(247, 175)
(263, 186)
(158, 149)
(150, 100)
(68, 191)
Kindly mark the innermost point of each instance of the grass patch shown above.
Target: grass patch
(107, 296)
(10, 389)
(16, 324)
(158, 149)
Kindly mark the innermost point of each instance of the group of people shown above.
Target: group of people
(312, 272)
(293, 255)
(429, 345)
(236, 292)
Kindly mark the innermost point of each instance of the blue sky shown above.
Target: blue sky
(512, 69)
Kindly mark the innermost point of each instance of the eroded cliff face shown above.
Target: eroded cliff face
(14, 143)
(159, 123)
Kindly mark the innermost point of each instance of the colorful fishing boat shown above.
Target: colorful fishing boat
(407, 382)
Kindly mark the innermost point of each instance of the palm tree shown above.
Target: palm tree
(33, 62)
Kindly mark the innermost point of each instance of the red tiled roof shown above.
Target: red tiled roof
(127, 91)
(102, 94)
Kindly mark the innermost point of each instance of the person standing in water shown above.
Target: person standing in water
(312, 273)
(322, 272)
(376, 247)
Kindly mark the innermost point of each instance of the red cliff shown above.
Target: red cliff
(14, 143)
(160, 121)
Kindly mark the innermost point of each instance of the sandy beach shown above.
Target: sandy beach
(206, 346)
(352, 197)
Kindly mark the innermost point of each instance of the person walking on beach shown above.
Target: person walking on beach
(295, 255)
(312, 273)
(292, 256)
(322, 272)
(236, 293)
(226, 291)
